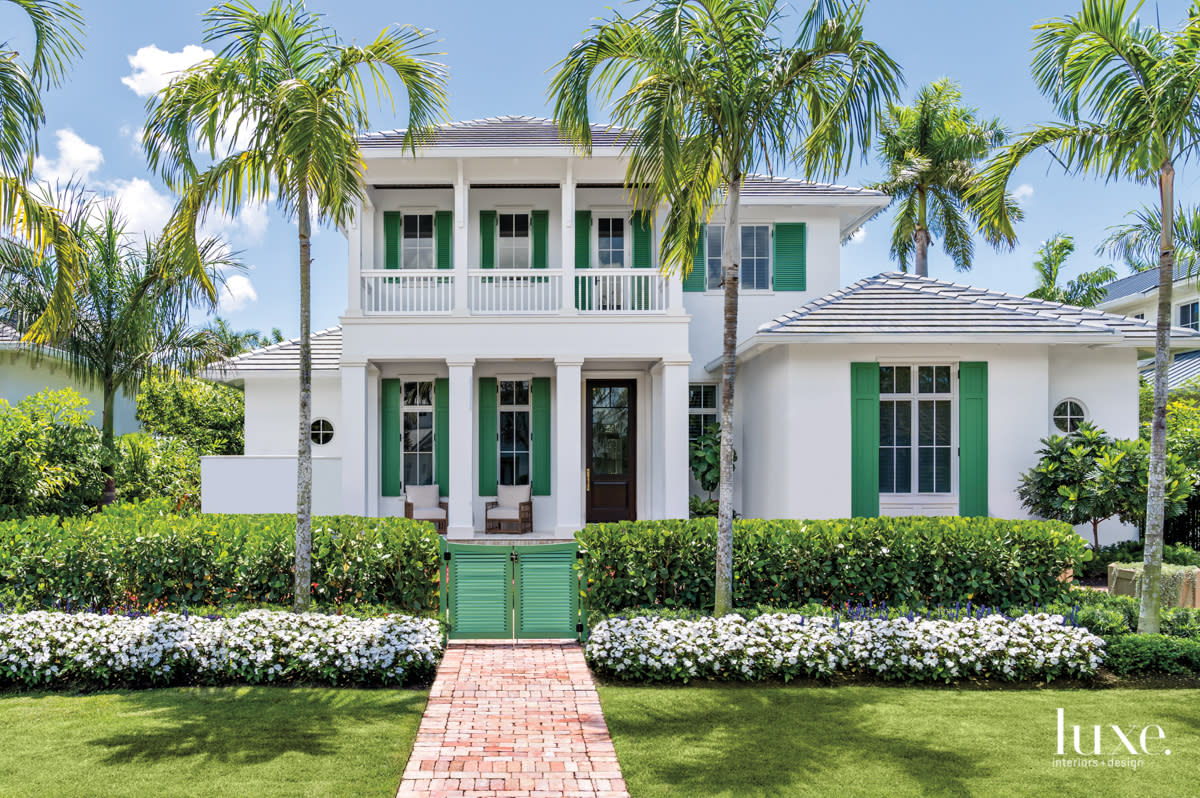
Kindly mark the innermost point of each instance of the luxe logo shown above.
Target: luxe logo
(1121, 741)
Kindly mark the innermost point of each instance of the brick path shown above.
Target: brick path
(520, 720)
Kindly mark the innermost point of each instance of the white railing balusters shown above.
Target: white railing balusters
(402, 291)
(620, 291)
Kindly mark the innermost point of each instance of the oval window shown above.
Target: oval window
(321, 431)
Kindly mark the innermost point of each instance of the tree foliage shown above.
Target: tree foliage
(208, 417)
(49, 456)
(1086, 291)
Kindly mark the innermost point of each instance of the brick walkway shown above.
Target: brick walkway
(517, 720)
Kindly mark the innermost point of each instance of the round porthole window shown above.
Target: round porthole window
(321, 431)
(1069, 414)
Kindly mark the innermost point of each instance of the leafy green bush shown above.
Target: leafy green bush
(1181, 622)
(1145, 655)
(917, 561)
(49, 456)
(702, 508)
(704, 456)
(144, 556)
(207, 417)
(150, 467)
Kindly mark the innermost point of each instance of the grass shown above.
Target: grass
(870, 741)
(260, 741)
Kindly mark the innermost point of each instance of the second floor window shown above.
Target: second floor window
(702, 409)
(416, 251)
(610, 242)
(1189, 315)
(512, 250)
(755, 256)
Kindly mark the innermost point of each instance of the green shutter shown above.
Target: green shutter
(539, 222)
(642, 239)
(697, 278)
(864, 440)
(391, 446)
(973, 439)
(540, 445)
(487, 239)
(489, 446)
(547, 591)
(443, 231)
(481, 591)
(391, 239)
(583, 239)
(441, 435)
(790, 257)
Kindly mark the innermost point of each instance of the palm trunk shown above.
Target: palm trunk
(730, 257)
(921, 236)
(108, 445)
(1155, 495)
(303, 567)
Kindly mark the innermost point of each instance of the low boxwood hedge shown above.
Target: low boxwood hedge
(915, 561)
(142, 556)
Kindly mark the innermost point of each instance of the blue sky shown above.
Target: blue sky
(499, 54)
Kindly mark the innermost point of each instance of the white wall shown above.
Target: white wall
(273, 412)
(266, 484)
(21, 375)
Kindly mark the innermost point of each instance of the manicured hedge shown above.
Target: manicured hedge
(137, 555)
(1143, 655)
(916, 561)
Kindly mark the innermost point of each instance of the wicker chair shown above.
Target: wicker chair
(421, 503)
(513, 506)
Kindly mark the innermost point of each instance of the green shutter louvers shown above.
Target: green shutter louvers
(697, 279)
(487, 239)
(643, 240)
(791, 257)
(583, 259)
(539, 391)
(443, 229)
(489, 445)
(441, 435)
(391, 451)
(539, 223)
(864, 440)
(973, 439)
(391, 239)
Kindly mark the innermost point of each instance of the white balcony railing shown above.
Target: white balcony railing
(620, 291)
(395, 291)
(514, 291)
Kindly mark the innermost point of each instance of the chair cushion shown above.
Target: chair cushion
(512, 495)
(429, 514)
(504, 513)
(422, 496)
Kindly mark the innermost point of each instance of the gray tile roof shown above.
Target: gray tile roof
(8, 333)
(499, 131)
(1184, 367)
(893, 304)
(326, 354)
(1138, 283)
(768, 186)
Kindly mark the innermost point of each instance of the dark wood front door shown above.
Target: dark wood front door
(611, 450)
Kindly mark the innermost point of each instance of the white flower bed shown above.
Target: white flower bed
(48, 648)
(780, 646)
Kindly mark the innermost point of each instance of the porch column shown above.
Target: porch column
(461, 520)
(568, 241)
(352, 431)
(673, 437)
(568, 457)
(354, 233)
(461, 263)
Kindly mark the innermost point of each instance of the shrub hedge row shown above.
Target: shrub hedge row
(140, 555)
(915, 561)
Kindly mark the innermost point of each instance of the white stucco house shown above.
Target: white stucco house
(506, 323)
(1137, 296)
(27, 369)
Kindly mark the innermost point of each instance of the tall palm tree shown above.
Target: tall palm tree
(931, 149)
(714, 89)
(285, 86)
(129, 318)
(231, 342)
(1128, 96)
(1136, 242)
(1085, 291)
(57, 29)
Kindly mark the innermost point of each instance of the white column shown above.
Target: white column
(462, 209)
(461, 521)
(373, 443)
(352, 429)
(568, 241)
(674, 438)
(354, 263)
(568, 455)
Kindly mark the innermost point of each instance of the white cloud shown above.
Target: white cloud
(858, 235)
(1023, 192)
(145, 208)
(237, 293)
(153, 68)
(76, 159)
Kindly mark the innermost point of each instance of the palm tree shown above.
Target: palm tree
(1129, 98)
(931, 149)
(231, 342)
(712, 91)
(129, 319)
(285, 85)
(57, 28)
(1136, 242)
(1085, 291)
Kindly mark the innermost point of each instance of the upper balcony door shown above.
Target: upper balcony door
(611, 253)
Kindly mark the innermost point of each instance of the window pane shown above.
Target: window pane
(924, 379)
(418, 432)
(521, 392)
(716, 240)
(695, 426)
(904, 423)
(521, 431)
(903, 469)
(942, 433)
(941, 379)
(418, 394)
(887, 379)
(887, 423)
(507, 431)
(506, 225)
(942, 470)
(925, 415)
(925, 470)
(887, 470)
(903, 379)
(521, 225)
(695, 396)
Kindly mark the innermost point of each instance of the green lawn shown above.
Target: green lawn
(247, 741)
(872, 741)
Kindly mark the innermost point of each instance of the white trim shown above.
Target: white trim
(626, 216)
(912, 397)
(1054, 414)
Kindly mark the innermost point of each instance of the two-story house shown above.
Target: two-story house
(1137, 296)
(507, 323)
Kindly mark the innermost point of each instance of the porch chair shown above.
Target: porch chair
(513, 505)
(421, 503)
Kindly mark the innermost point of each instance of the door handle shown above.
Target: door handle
(589, 479)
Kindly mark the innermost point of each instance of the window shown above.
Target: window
(512, 250)
(320, 431)
(915, 429)
(514, 432)
(1139, 316)
(416, 251)
(756, 256)
(702, 409)
(610, 242)
(417, 415)
(1189, 315)
(1068, 415)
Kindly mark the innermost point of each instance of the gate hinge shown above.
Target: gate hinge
(579, 628)
(446, 556)
(512, 555)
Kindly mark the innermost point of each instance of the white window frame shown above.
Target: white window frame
(515, 211)
(312, 431)
(501, 408)
(610, 213)
(914, 497)
(714, 411)
(770, 289)
(423, 211)
(415, 409)
(1179, 314)
(1054, 415)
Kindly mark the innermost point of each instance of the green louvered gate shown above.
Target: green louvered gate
(503, 592)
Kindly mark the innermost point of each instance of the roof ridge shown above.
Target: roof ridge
(280, 344)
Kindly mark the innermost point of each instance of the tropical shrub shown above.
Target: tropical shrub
(50, 456)
(702, 508)
(207, 417)
(54, 649)
(143, 555)
(150, 467)
(704, 457)
(789, 646)
(1140, 655)
(916, 561)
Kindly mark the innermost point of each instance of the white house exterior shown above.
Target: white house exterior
(1137, 296)
(507, 322)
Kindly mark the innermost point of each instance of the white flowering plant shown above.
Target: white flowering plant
(50, 649)
(1039, 647)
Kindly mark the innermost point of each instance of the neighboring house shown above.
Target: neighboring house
(26, 369)
(507, 323)
(1137, 296)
